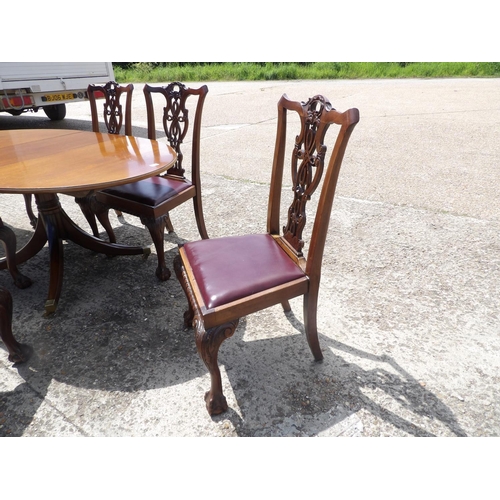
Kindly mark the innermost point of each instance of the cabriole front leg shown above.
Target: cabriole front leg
(208, 343)
(156, 229)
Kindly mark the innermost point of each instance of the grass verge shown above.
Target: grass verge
(165, 72)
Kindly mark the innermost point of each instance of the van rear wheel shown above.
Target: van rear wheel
(55, 112)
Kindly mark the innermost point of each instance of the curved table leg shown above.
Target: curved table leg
(34, 245)
(56, 268)
(18, 353)
(8, 240)
(53, 215)
(60, 227)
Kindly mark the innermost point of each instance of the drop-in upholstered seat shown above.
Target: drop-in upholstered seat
(255, 263)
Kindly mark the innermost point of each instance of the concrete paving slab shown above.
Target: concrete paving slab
(408, 306)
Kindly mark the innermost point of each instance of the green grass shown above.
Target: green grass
(165, 72)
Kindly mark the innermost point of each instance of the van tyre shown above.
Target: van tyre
(56, 111)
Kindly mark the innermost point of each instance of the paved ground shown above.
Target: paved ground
(408, 311)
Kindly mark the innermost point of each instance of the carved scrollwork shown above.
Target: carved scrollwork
(176, 122)
(211, 339)
(113, 115)
(307, 167)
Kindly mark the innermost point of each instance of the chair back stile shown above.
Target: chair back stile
(347, 122)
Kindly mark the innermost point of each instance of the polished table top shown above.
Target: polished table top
(65, 161)
(73, 162)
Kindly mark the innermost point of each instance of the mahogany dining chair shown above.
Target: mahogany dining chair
(227, 278)
(152, 199)
(114, 118)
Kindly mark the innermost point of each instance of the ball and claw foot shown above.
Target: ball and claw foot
(22, 281)
(163, 274)
(215, 404)
(21, 354)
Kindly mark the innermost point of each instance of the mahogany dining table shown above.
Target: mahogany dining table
(47, 162)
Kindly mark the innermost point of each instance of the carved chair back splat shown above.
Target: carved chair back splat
(112, 108)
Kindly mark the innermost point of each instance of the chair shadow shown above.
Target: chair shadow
(97, 340)
(334, 389)
(273, 379)
(19, 406)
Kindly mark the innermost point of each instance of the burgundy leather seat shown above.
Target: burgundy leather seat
(152, 191)
(230, 268)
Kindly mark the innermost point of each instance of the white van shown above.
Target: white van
(30, 86)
